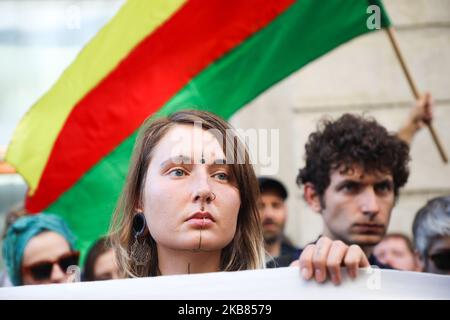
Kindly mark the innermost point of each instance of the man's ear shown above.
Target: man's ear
(311, 197)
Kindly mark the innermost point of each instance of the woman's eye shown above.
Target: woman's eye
(221, 176)
(177, 173)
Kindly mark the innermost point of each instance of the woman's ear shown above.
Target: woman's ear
(311, 197)
(139, 207)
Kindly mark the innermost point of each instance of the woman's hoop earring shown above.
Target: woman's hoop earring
(140, 249)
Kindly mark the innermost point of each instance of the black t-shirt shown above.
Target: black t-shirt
(288, 254)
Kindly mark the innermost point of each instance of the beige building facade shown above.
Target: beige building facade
(363, 76)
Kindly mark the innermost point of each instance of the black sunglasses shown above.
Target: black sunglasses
(441, 259)
(42, 270)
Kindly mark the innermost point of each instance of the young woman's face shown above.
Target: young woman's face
(105, 266)
(190, 200)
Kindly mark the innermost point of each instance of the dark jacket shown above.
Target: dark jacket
(288, 254)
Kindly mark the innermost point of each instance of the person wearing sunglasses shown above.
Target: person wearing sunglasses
(39, 249)
(431, 230)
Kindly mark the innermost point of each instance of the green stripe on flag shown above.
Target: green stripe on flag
(304, 32)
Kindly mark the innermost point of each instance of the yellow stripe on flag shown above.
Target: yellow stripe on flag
(31, 146)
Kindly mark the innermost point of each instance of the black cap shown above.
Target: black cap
(272, 185)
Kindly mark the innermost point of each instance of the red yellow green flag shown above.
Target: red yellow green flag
(153, 58)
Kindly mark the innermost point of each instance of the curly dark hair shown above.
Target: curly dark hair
(353, 140)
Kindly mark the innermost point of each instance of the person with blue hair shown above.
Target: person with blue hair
(39, 249)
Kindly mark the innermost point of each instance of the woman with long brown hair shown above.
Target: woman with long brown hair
(189, 202)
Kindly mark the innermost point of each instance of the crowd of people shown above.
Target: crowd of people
(200, 210)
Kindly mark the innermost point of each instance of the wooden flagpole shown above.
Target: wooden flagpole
(415, 91)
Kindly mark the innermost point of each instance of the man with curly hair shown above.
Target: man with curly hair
(353, 171)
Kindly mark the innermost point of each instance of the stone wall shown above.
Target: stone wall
(364, 76)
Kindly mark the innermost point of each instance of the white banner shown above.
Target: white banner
(272, 284)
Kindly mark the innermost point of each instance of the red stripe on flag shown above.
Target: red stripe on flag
(161, 65)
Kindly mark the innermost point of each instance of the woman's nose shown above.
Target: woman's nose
(202, 190)
(204, 196)
(57, 275)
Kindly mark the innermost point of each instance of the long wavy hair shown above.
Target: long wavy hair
(244, 252)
